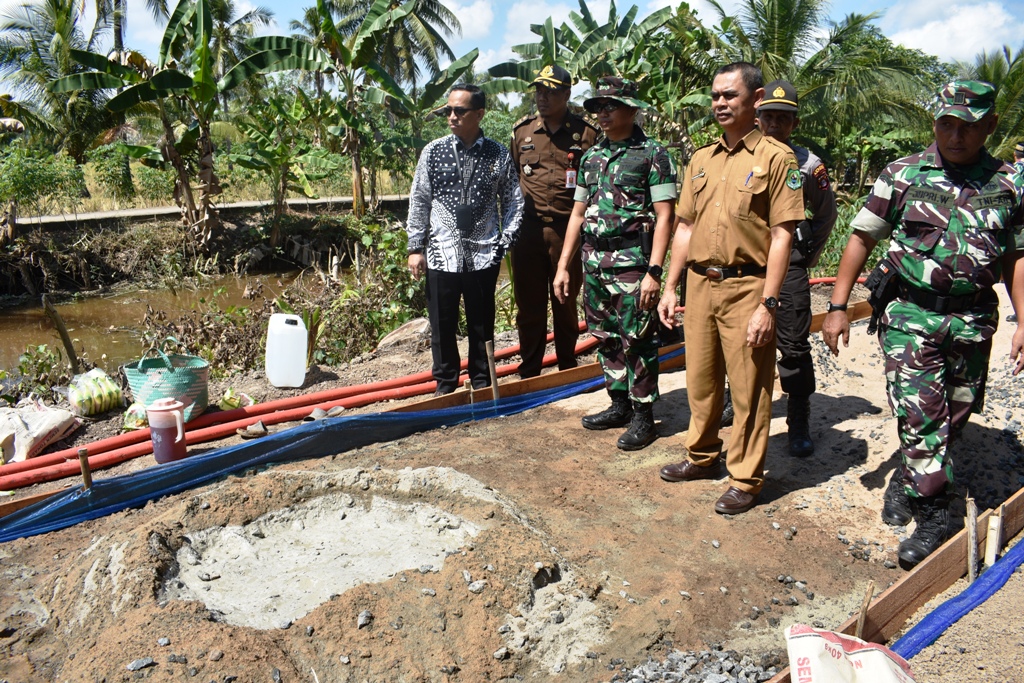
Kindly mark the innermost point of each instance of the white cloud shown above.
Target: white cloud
(961, 31)
(477, 19)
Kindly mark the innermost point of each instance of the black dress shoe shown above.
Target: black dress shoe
(443, 391)
(687, 471)
(735, 501)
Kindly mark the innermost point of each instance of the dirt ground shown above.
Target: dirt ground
(567, 559)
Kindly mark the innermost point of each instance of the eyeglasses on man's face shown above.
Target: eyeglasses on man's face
(458, 111)
(607, 106)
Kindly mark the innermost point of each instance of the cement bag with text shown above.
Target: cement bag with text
(179, 376)
(817, 656)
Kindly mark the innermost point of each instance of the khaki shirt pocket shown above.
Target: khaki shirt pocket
(752, 199)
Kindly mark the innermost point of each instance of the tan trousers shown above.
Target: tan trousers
(716, 318)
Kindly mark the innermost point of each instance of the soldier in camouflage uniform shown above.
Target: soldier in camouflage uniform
(954, 218)
(1018, 158)
(623, 212)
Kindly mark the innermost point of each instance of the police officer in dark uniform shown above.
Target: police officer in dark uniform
(547, 149)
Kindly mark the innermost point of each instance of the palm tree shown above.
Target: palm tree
(418, 37)
(1005, 70)
(229, 35)
(35, 48)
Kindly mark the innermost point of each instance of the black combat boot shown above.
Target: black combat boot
(641, 430)
(798, 416)
(932, 516)
(896, 503)
(727, 411)
(617, 415)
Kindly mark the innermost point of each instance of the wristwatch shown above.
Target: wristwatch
(656, 272)
(829, 307)
(770, 302)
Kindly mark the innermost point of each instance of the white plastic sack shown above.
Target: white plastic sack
(817, 656)
(26, 430)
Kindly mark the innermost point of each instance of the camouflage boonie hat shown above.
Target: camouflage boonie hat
(618, 89)
(967, 100)
(553, 76)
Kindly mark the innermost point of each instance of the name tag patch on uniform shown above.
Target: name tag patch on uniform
(992, 201)
(527, 148)
(793, 180)
(930, 196)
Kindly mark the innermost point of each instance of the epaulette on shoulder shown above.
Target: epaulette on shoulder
(782, 147)
(525, 119)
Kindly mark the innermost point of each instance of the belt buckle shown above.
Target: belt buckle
(714, 273)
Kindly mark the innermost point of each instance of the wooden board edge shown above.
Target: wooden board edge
(10, 506)
(548, 380)
(889, 612)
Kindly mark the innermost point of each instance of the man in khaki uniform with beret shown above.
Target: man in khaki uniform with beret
(741, 198)
(546, 149)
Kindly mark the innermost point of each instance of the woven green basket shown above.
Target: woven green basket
(179, 376)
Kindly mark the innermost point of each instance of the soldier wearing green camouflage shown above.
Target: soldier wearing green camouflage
(954, 218)
(622, 212)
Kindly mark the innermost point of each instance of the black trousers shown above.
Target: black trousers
(534, 264)
(793, 327)
(444, 291)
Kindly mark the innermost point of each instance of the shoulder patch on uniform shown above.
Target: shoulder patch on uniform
(525, 119)
(820, 174)
(793, 180)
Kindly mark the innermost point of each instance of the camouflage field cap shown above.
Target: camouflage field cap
(618, 89)
(779, 96)
(553, 76)
(967, 100)
(1019, 149)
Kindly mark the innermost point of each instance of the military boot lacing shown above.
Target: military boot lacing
(618, 414)
(798, 417)
(641, 430)
(932, 516)
(896, 503)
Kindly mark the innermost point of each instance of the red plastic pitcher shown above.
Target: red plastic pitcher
(167, 429)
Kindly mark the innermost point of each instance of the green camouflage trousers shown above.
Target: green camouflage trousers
(935, 370)
(626, 348)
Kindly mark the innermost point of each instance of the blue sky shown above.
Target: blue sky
(959, 30)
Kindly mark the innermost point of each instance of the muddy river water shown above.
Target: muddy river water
(111, 325)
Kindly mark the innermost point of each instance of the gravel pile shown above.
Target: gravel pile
(705, 666)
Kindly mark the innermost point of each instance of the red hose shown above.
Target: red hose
(199, 434)
(219, 417)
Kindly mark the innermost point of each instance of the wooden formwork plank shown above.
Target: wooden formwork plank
(524, 386)
(10, 506)
(891, 610)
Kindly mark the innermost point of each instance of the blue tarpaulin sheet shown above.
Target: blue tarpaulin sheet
(311, 440)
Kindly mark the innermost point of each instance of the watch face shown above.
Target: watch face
(655, 272)
(770, 302)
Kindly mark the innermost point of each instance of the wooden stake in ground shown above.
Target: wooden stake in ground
(83, 460)
(972, 539)
(58, 322)
(994, 540)
(870, 593)
(489, 347)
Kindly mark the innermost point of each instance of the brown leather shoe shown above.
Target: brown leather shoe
(734, 501)
(687, 471)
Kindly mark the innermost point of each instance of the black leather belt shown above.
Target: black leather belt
(612, 243)
(724, 272)
(937, 303)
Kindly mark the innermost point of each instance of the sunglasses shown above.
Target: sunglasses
(458, 111)
(606, 106)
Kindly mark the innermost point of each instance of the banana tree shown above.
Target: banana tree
(183, 72)
(363, 82)
(279, 151)
(587, 49)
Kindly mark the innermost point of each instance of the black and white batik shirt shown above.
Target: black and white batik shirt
(447, 173)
